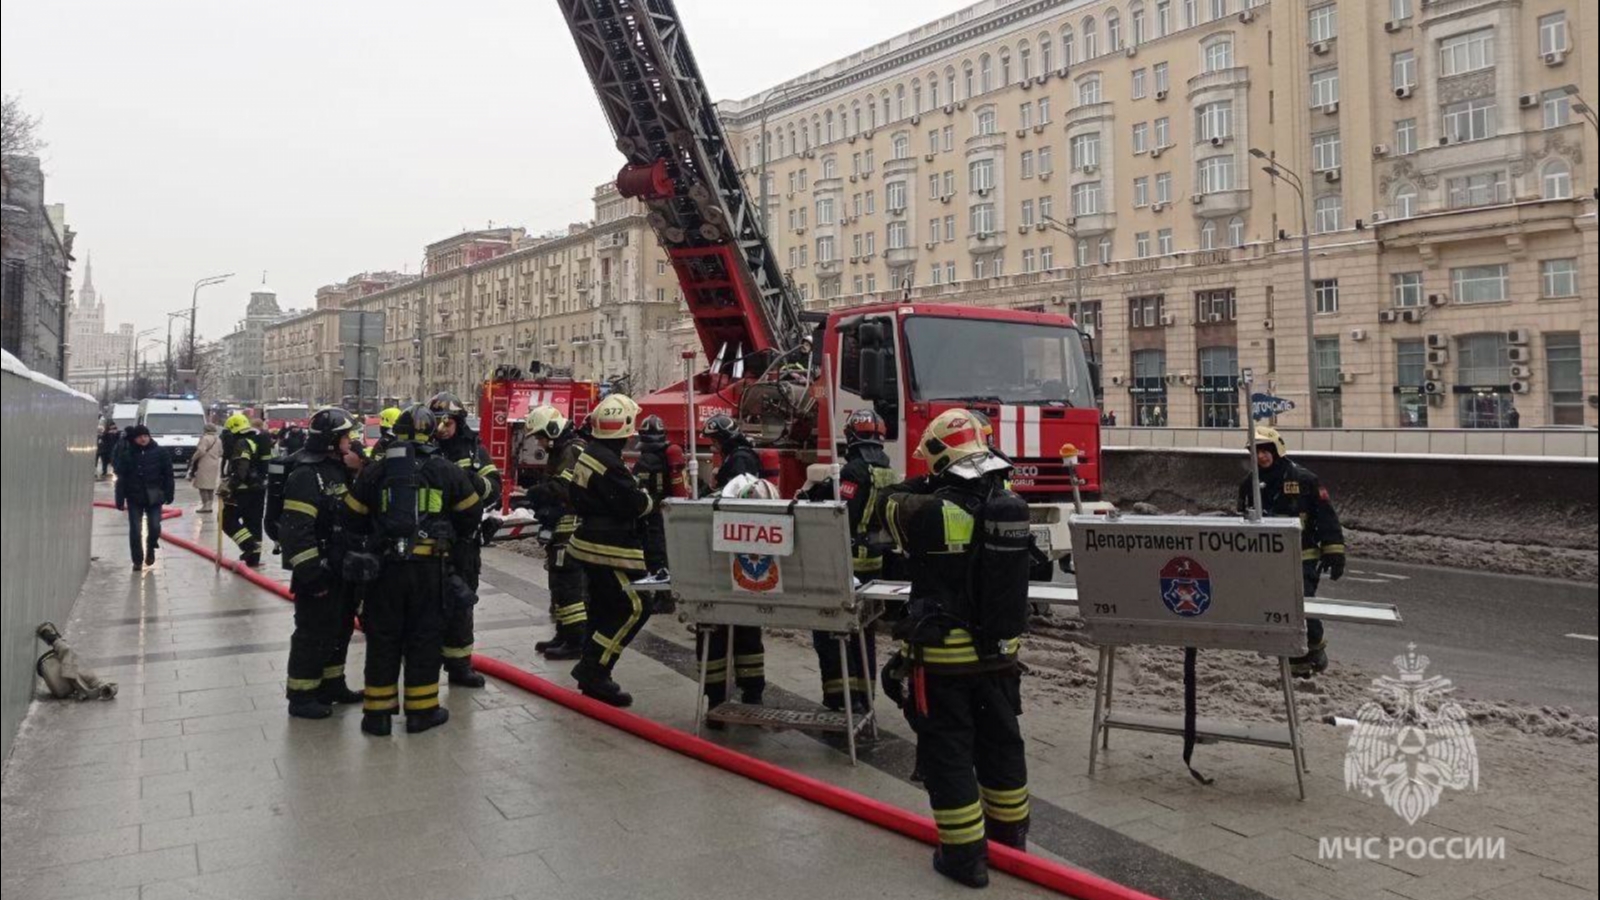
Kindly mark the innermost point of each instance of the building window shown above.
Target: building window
(1219, 387)
(1141, 137)
(1553, 33)
(1558, 278)
(1215, 307)
(1403, 69)
(1163, 187)
(1399, 10)
(1557, 109)
(949, 229)
(1047, 258)
(1163, 18)
(1091, 39)
(824, 250)
(1141, 245)
(1406, 289)
(1329, 214)
(1216, 174)
(1139, 80)
(1163, 132)
(1105, 250)
(1045, 164)
(1044, 110)
(1483, 381)
(1027, 164)
(1410, 374)
(1405, 137)
(825, 211)
(1163, 78)
(1068, 46)
(1208, 235)
(1480, 189)
(1149, 388)
(1405, 200)
(1086, 198)
(1085, 150)
(1326, 291)
(987, 121)
(1330, 408)
(1236, 232)
(1025, 115)
(982, 219)
(1470, 120)
(980, 175)
(1144, 312)
(1113, 31)
(894, 196)
(1089, 90)
(1164, 242)
(1027, 213)
(1325, 151)
(1324, 88)
(1046, 206)
(1027, 262)
(1219, 54)
(1214, 121)
(1323, 22)
(901, 146)
(1564, 368)
(985, 73)
(1468, 52)
(1480, 284)
(897, 235)
(1141, 191)
(1556, 180)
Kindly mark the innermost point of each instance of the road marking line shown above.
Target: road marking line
(1367, 580)
(1584, 637)
(1393, 576)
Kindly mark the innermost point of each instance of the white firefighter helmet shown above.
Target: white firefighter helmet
(546, 422)
(750, 487)
(617, 417)
(954, 442)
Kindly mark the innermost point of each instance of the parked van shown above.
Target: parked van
(124, 414)
(175, 423)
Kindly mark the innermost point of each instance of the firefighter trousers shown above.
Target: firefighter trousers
(403, 617)
(834, 679)
(749, 662)
(323, 624)
(458, 637)
(653, 531)
(970, 753)
(568, 594)
(616, 613)
(241, 519)
(1311, 577)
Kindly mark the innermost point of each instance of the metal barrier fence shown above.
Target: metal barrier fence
(47, 444)
(1553, 443)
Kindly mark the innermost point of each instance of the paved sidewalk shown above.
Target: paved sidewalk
(194, 784)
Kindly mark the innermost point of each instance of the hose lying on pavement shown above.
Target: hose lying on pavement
(167, 512)
(1066, 880)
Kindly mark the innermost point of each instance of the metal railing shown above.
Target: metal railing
(1567, 444)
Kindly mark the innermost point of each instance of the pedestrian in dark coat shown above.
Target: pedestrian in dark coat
(144, 486)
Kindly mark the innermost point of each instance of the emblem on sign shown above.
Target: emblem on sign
(1185, 587)
(756, 574)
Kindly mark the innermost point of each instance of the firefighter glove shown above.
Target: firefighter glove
(361, 567)
(1333, 564)
(894, 679)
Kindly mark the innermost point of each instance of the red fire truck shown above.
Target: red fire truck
(504, 400)
(779, 370)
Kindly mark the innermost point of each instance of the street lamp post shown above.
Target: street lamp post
(194, 307)
(1278, 172)
(1071, 232)
(133, 350)
(1581, 106)
(180, 314)
(766, 103)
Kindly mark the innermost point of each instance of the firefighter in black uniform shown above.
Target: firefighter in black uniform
(1292, 490)
(609, 504)
(459, 444)
(409, 512)
(863, 477)
(563, 445)
(967, 537)
(310, 521)
(661, 472)
(244, 487)
(738, 457)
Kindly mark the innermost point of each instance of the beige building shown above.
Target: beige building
(597, 298)
(313, 355)
(1095, 158)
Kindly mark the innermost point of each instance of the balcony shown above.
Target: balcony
(900, 256)
(1221, 203)
(987, 242)
(986, 143)
(1093, 224)
(1236, 77)
(1086, 114)
(900, 167)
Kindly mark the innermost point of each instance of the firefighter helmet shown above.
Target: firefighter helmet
(388, 417)
(546, 422)
(721, 428)
(750, 487)
(238, 423)
(326, 427)
(953, 442)
(414, 424)
(1267, 436)
(445, 404)
(653, 432)
(864, 425)
(615, 418)
(985, 427)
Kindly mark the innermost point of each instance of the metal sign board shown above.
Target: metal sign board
(1191, 581)
(811, 586)
(737, 531)
(1265, 406)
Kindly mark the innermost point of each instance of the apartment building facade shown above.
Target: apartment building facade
(1107, 159)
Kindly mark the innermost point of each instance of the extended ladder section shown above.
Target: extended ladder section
(681, 167)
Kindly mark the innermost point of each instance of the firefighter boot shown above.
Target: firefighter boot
(1011, 834)
(462, 674)
(377, 724)
(418, 722)
(595, 682)
(972, 871)
(335, 690)
(307, 705)
(1314, 663)
(542, 646)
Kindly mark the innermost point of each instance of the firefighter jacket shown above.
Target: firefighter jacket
(662, 472)
(555, 491)
(447, 506)
(247, 462)
(863, 478)
(967, 543)
(609, 504)
(1294, 491)
(311, 523)
(737, 459)
(465, 451)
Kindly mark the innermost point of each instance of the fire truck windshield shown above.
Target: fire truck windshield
(1000, 362)
(287, 412)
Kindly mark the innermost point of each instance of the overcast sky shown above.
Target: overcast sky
(314, 140)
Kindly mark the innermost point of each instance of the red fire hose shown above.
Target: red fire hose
(167, 512)
(1070, 882)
